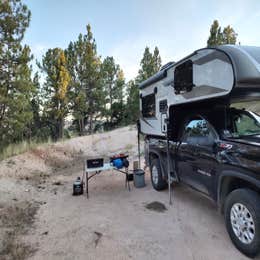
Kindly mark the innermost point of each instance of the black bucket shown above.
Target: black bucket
(139, 180)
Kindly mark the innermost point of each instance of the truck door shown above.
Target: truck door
(197, 158)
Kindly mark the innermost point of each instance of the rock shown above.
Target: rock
(57, 183)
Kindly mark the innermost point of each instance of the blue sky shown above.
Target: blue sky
(123, 28)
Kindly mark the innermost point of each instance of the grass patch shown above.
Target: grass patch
(15, 221)
(18, 148)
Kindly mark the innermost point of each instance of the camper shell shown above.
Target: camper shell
(208, 78)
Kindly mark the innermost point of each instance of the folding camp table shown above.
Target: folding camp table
(91, 172)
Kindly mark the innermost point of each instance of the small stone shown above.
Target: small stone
(57, 183)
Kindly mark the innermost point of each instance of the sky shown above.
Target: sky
(123, 28)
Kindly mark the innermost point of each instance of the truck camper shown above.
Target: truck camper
(200, 118)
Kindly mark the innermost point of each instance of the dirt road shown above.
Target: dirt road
(113, 223)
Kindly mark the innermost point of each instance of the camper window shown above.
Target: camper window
(213, 72)
(183, 77)
(148, 105)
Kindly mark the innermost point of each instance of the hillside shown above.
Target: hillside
(61, 156)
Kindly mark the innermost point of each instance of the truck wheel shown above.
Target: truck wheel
(242, 217)
(156, 175)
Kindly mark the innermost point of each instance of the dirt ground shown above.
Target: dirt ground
(40, 219)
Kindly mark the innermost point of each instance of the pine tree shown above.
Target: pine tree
(36, 103)
(215, 37)
(77, 95)
(157, 61)
(118, 107)
(219, 37)
(15, 78)
(132, 109)
(146, 63)
(109, 70)
(150, 64)
(56, 89)
(229, 35)
(85, 67)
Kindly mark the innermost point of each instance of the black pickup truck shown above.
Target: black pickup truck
(224, 164)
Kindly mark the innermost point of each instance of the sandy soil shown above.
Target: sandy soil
(113, 223)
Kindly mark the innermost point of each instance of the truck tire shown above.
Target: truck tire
(156, 175)
(242, 217)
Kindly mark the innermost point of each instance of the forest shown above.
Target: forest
(75, 90)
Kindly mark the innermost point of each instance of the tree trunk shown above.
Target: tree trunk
(91, 123)
(61, 128)
(81, 126)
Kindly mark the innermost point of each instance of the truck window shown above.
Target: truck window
(245, 123)
(197, 132)
(148, 106)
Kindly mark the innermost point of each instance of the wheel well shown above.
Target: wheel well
(152, 156)
(229, 183)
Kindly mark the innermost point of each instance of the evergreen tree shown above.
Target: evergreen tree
(229, 35)
(157, 61)
(219, 37)
(150, 64)
(36, 103)
(109, 71)
(146, 63)
(15, 78)
(132, 109)
(56, 90)
(77, 94)
(87, 93)
(118, 107)
(215, 37)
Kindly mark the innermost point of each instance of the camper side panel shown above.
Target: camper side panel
(154, 102)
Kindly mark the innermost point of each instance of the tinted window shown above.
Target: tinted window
(244, 123)
(183, 77)
(198, 132)
(148, 106)
(212, 71)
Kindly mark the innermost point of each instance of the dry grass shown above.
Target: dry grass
(18, 148)
(15, 221)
